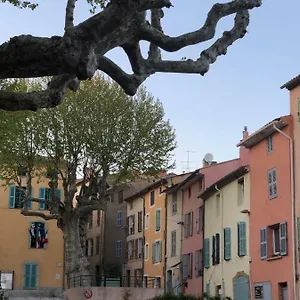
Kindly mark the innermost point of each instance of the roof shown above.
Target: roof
(237, 173)
(263, 132)
(294, 82)
(147, 189)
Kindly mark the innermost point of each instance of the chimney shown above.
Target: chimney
(244, 152)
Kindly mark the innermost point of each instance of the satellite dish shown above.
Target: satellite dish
(208, 158)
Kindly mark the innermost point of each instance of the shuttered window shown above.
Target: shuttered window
(30, 276)
(227, 243)
(263, 243)
(272, 180)
(283, 238)
(206, 250)
(242, 243)
(157, 220)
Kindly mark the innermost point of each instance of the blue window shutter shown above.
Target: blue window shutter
(206, 252)
(33, 275)
(29, 203)
(12, 195)
(282, 238)
(263, 243)
(242, 238)
(42, 197)
(27, 279)
(227, 243)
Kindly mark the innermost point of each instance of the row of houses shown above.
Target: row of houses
(229, 228)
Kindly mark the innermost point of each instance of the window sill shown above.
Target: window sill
(274, 258)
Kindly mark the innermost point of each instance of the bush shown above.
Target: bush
(188, 297)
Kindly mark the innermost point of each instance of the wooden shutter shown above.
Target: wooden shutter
(242, 247)
(127, 225)
(186, 225)
(191, 265)
(283, 238)
(197, 258)
(29, 202)
(206, 252)
(30, 276)
(227, 243)
(198, 220)
(298, 109)
(133, 224)
(213, 250)
(157, 220)
(263, 243)
(42, 197)
(184, 267)
(207, 289)
(159, 251)
(298, 227)
(12, 196)
(191, 223)
(153, 253)
(217, 258)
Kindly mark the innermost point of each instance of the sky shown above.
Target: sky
(208, 113)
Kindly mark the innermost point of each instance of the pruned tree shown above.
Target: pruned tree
(82, 50)
(100, 132)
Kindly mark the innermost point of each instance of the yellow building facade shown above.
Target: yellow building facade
(226, 254)
(31, 249)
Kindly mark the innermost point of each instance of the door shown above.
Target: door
(262, 291)
(241, 288)
(176, 288)
(128, 278)
(169, 282)
(284, 293)
(30, 276)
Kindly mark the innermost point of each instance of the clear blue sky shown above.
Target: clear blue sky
(241, 88)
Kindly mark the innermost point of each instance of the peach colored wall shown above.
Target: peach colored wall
(155, 270)
(294, 96)
(14, 243)
(265, 212)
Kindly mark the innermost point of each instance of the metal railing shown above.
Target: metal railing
(122, 281)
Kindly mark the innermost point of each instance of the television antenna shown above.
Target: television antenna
(188, 162)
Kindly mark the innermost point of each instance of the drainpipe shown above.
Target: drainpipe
(293, 207)
(221, 260)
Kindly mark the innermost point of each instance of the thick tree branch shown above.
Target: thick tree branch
(207, 32)
(87, 209)
(156, 16)
(50, 97)
(152, 4)
(27, 213)
(69, 15)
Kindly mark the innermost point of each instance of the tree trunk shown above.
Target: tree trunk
(78, 267)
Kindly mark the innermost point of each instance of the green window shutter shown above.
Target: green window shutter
(42, 197)
(206, 252)
(153, 252)
(12, 195)
(227, 243)
(59, 193)
(207, 289)
(160, 251)
(33, 275)
(30, 276)
(29, 203)
(243, 242)
(157, 219)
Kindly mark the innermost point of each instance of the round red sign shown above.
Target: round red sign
(88, 294)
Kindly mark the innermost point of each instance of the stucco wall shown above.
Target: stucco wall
(101, 293)
(215, 222)
(14, 241)
(265, 212)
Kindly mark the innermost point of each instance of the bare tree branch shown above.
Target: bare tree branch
(27, 213)
(152, 4)
(69, 15)
(156, 16)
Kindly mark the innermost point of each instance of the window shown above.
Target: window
(161, 189)
(156, 252)
(190, 192)
(131, 224)
(242, 245)
(30, 276)
(269, 144)
(157, 220)
(173, 243)
(119, 218)
(272, 179)
(121, 195)
(152, 198)
(263, 243)
(97, 245)
(16, 197)
(199, 219)
(98, 217)
(130, 249)
(131, 205)
(188, 225)
(118, 248)
(89, 247)
(147, 221)
(140, 248)
(216, 249)
(227, 243)
(140, 221)
(218, 290)
(90, 220)
(218, 205)
(174, 204)
(198, 263)
(38, 235)
(146, 251)
(45, 194)
(241, 191)
(187, 266)
(206, 250)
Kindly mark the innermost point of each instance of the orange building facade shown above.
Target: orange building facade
(31, 249)
(271, 234)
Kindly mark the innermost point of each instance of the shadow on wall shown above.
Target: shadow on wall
(112, 293)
